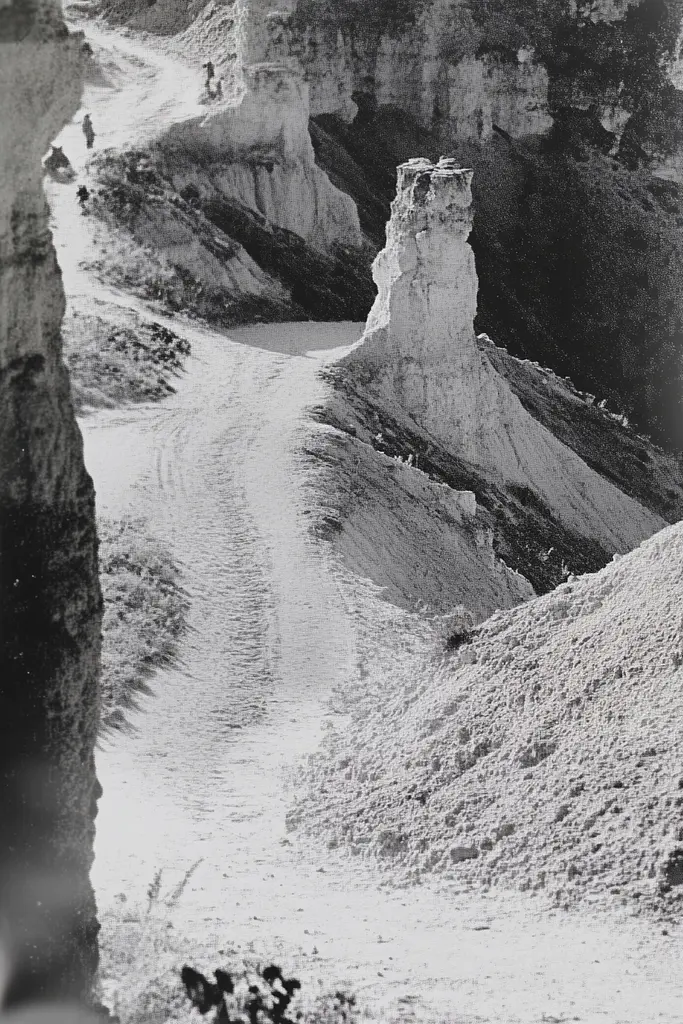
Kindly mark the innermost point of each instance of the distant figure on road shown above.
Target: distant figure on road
(219, 89)
(88, 131)
(57, 161)
(83, 194)
(210, 72)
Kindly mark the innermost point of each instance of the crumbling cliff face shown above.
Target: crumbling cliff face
(258, 152)
(422, 60)
(50, 605)
(459, 68)
(420, 351)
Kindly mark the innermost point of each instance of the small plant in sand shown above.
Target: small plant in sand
(142, 981)
(455, 628)
(140, 954)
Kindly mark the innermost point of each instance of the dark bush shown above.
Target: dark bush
(267, 998)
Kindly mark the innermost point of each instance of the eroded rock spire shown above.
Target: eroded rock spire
(420, 351)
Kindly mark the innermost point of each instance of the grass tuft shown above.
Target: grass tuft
(109, 362)
(145, 978)
(144, 614)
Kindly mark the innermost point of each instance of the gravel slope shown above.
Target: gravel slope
(544, 754)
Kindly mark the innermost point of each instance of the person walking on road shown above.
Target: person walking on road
(210, 72)
(88, 131)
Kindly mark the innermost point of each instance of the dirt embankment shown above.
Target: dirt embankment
(144, 614)
(115, 358)
(198, 250)
(543, 754)
(111, 362)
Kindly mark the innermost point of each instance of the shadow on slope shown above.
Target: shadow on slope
(602, 439)
(298, 339)
(580, 260)
(523, 532)
(144, 614)
(200, 251)
(404, 534)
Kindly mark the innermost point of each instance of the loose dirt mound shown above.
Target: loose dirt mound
(544, 754)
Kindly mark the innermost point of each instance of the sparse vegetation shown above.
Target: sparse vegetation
(144, 613)
(135, 193)
(140, 954)
(142, 980)
(586, 54)
(259, 997)
(110, 362)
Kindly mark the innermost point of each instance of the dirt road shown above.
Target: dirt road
(218, 472)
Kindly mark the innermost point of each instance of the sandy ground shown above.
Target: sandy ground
(218, 472)
(543, 754)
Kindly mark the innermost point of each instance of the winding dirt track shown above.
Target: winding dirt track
(211, 470)
(217, 470)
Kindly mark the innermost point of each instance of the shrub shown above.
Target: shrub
(141, 978)
(144, 613)
(455, 628)
(264, 996)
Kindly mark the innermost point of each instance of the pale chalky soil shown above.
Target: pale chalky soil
(543, 755)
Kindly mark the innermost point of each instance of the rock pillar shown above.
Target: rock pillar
(419, 351)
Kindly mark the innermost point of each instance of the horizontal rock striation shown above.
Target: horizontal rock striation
(50, 604)
(424, 64)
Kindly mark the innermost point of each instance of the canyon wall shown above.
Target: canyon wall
(419, 350)
(50, 603)
(578, 195)
(258, 152)
(459, 68)
(456, 67)
(423, 63)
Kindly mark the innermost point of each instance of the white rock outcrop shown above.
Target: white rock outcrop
(258, 151)
(419, 349)
(422, 67)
